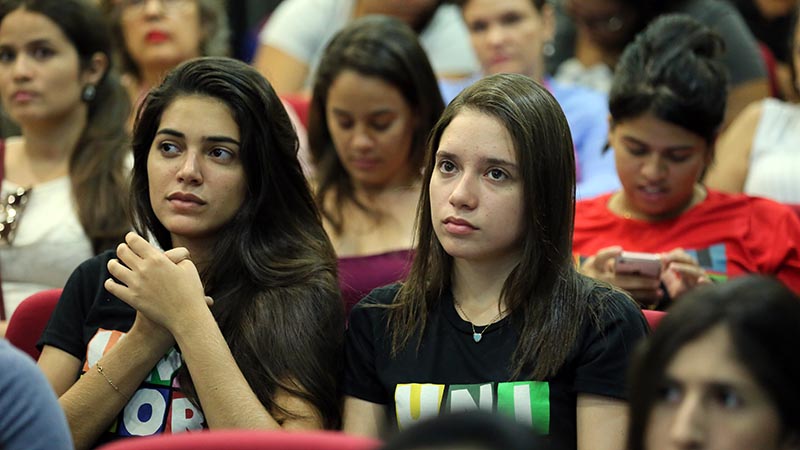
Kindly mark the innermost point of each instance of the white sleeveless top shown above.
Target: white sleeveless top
(49, 243)
(775, 155)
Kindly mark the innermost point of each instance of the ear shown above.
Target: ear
(94, 71)
(548, 18)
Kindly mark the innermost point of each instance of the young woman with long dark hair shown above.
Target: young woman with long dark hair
(217, 183)
(66, 177)
(375, 101)
(494, 314)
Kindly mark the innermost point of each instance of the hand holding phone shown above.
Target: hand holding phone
(638, 263)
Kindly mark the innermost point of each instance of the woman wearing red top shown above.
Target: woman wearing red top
(667, 103)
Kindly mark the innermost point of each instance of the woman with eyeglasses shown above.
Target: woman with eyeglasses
(591, 35)
(133, 348)
(65, 178)
(154, 36)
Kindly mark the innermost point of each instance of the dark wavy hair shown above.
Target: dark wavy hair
(762, 317)
(545, 294)
(97, 169)
(374, 46)
(673, 70)
(273, 269)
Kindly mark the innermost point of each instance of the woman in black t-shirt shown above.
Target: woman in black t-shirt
(494, 315)
(216, 181)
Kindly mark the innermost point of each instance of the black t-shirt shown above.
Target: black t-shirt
(451, 372)
(87, 322)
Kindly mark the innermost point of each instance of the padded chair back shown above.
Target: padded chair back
(29, 320)
(653, 317)
(246, 440)
(300, 104)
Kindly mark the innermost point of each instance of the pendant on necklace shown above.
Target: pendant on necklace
(476, 337)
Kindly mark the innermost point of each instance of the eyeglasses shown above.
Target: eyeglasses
(138, 6)
(10, 211)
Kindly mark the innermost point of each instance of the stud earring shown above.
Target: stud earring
(548, 49)
(88, 93)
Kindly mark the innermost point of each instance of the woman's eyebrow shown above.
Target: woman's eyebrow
(215, 139)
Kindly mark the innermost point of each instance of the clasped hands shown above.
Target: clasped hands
(163, 287)
(679, 274)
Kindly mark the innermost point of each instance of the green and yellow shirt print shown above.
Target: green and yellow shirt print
(528, 402)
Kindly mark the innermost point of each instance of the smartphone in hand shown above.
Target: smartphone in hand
(638, 263)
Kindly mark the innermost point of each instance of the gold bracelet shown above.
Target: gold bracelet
(100, 370)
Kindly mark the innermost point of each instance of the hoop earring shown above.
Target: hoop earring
(88, 93)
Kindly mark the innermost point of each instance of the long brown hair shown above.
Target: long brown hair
(375, 46)
(546, 296)
(273, 270)
(97, 169)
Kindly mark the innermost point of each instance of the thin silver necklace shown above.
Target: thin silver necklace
(475, 335)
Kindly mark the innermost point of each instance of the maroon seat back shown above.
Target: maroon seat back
(29, 320)
(246, 440)
(653, 317)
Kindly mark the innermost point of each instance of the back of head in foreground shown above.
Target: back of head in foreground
(474, 430)
(271, 266)
(762, 318)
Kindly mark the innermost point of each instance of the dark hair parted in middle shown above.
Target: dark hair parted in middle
(544, 292)
(375, 46)
(272, 268)
(97, 168)
(673, 70)
(762, 317)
